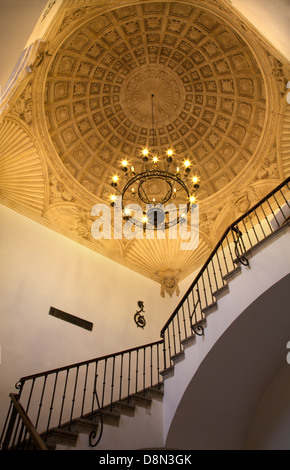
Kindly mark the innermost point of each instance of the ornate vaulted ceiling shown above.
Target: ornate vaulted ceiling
(80, 103)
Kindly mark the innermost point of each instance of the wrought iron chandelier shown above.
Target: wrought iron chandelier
(157, 189)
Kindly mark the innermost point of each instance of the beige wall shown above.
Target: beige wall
(39, 269)
(269, 429)
(271, 18)
(17, 20)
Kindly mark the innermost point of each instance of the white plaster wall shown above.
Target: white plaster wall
(39, 269)
(270, 263)
(271, 18)
(17, 20)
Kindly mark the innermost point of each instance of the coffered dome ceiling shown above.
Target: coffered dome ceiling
(209, 94)
(216, 88)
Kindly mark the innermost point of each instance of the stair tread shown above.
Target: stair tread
(86, 425)
(156, 392)
(61, 436)
(62, 432)
(140, 399)
(177, 355)
(232, 273)
(221, 290)
(167, 370)
(188, 339)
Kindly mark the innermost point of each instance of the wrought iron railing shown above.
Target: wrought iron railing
(55, 398)
(246, 233)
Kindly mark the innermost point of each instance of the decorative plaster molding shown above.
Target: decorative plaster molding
(82, 108)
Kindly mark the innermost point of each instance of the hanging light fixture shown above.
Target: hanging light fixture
(158, 189)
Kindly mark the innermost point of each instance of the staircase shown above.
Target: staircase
(74, 406)
(120, 425)
(187, 399)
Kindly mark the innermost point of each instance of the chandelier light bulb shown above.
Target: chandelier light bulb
(195, 181)
(155, 176)
(145, 153)
(115, 180)
(113, 199)
(169, 155)
(125, 165)
(187, 166)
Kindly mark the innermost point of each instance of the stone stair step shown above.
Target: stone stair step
(156, 393)
(168, 372)
(177, 357)
(221, 292)
(110, 417)
(124, 407)
(68, 434)
(84, 426)
(234, 272)
(210, 308)
(61, 436)
(186, 342)
(140, 399)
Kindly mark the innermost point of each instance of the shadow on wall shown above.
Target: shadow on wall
(224, 406)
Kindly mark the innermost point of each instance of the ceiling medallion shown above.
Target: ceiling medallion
(168, 90)
(160, 181)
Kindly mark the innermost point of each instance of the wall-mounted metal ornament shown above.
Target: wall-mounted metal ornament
(138, 318)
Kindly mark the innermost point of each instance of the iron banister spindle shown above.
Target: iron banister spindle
(227, 232)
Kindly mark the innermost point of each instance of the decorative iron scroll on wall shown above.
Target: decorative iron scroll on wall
(138, 318)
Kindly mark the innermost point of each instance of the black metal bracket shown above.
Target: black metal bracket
(198, 330)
